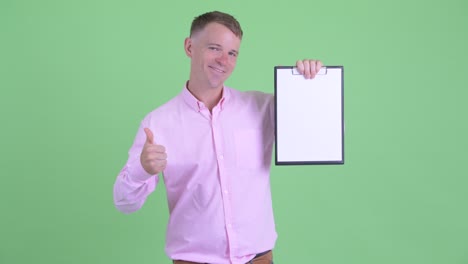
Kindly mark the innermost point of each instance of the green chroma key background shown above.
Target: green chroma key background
(77, 77)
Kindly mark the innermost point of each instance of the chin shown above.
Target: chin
(217, 84)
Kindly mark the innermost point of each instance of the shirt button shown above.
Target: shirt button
(221, 157)
(225, 191)
(229, 225)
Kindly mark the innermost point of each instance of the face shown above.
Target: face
(213, 52)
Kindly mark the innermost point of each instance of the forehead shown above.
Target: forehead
(218, 33)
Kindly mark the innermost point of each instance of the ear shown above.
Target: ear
(188, 46)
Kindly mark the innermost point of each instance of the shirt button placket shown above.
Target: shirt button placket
(218, 142)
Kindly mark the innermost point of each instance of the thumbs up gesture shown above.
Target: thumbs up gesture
(153, 157)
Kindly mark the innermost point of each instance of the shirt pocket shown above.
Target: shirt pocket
(249, 146)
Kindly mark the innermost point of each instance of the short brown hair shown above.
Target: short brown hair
(224, 19)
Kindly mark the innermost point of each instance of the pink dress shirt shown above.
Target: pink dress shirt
(217, 176)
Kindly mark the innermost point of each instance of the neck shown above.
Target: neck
(210, 97)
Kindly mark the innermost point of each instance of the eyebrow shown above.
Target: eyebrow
(217, 45)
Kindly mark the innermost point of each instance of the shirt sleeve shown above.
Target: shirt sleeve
(134, 184)
(271, 111)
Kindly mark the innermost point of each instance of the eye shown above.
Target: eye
(214, 48)
(233, 54)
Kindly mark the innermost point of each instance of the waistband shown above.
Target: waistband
(261, 254)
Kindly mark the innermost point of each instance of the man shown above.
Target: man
(217, 164)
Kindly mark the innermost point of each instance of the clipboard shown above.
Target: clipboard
(309, 116)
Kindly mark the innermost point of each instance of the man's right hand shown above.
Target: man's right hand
(153, 157)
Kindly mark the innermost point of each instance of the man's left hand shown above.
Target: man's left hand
(308, 68)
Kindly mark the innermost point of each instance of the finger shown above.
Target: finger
(160, 164)
(300, 66)
(313, 69)
(156, 156)
(319, 65)
(154, 148)
(157, 163)
(316, 69)
(160, 148)
(149, 135)
(161, 156)
(307, 69)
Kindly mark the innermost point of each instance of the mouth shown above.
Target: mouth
(217, 69)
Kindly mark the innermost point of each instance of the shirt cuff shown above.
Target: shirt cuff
(137, 173)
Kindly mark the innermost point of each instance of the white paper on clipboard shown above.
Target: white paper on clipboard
(309, 116)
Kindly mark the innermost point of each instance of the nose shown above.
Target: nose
(222, 58)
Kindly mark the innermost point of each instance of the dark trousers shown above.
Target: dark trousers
(262, 258)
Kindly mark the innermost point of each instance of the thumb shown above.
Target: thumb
(149, 136)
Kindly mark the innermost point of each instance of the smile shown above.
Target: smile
(216, 69)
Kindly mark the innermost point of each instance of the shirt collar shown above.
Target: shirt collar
(198, 105)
